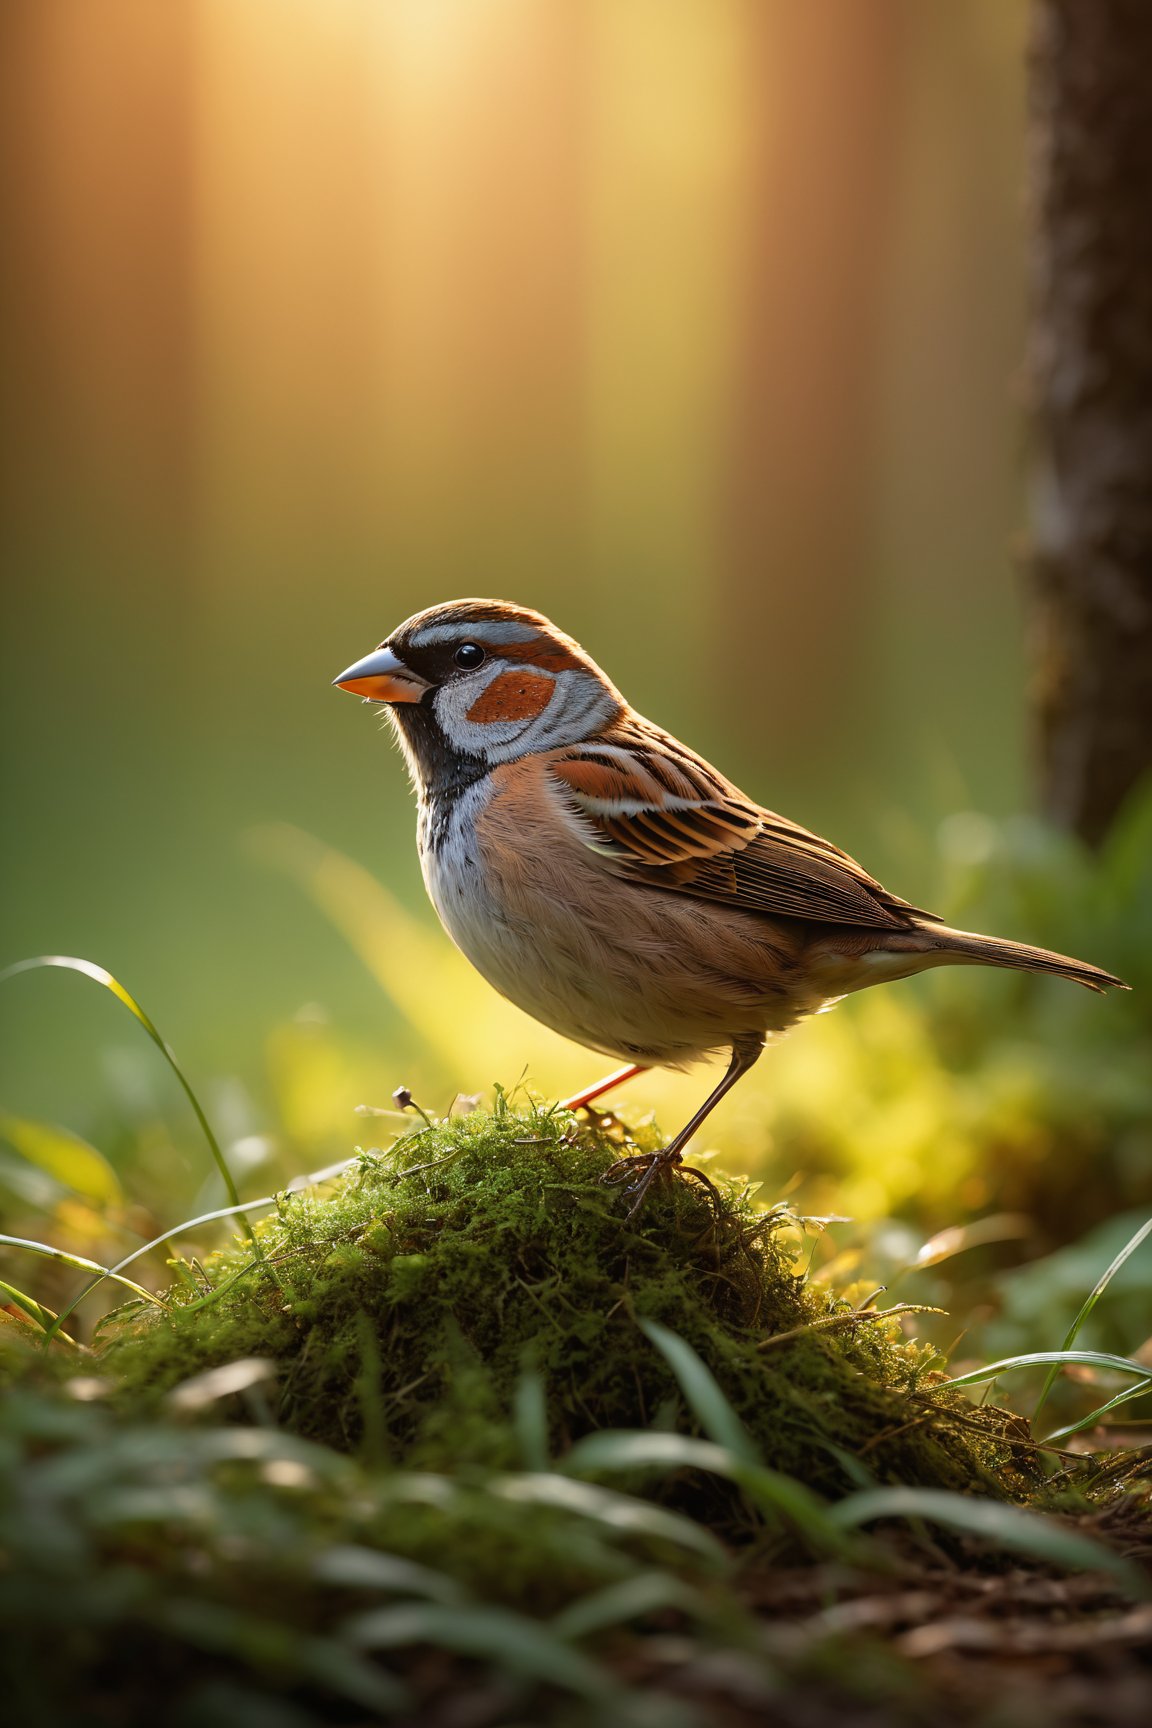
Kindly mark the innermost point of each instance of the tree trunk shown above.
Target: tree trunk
(1091, 137)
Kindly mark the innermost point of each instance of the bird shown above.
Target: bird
(607, 879)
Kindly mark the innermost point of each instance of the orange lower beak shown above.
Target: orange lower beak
(381, 677)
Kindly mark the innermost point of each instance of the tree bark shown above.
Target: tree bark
(1091, 574)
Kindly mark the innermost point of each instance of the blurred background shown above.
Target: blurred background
(697, 326)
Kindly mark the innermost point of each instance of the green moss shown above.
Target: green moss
(404, 1306)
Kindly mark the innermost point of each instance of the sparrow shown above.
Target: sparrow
(611, 882)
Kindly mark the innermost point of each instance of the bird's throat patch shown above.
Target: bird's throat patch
(518, 695)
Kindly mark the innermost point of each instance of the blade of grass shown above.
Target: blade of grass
(530, 1419)
(1094, 1416)
(490, 1633)
(100, 975)
(633, 1449)
(200, 1302)
(958, 1238)
(36, 1311)
(219, 1628)
(182, 1229)
(854, 1317)
(348, 1566)
(49, 1253)
(624, 1514)
(1051, 1358)
(391, 943)
(630, 1599)
(1089, 1304)
(1032, 1533)
(770, 1491)
(89, 969)
(145, 1457)
(699, 1386)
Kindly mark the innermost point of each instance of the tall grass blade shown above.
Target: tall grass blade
(1031, 1533)
(1090, 1302)
(412, 967)
(773, 1494)
(48, 1252)
(1094, 1416)
(189, 1224)
(268, 1644)
(347, 1566)
(144, 1457)
(489, 1633)
(622, 1514)
(43, 1317)
(1052, 1358)
(699, 1386)
(630, 1599)
(530, 1419)
(89, 969)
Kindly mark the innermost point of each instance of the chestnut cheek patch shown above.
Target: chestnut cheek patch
(513, 696)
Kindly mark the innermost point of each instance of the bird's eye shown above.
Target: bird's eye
(469, 655)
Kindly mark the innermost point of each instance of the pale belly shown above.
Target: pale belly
(639, 974)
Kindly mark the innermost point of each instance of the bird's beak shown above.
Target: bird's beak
(382, 677)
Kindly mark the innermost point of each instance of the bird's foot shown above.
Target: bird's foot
(642, 1169)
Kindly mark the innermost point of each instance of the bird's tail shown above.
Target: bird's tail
(966, 947)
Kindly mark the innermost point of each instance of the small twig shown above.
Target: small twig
(855, 1317)
(434, 1164)
(887, 1434)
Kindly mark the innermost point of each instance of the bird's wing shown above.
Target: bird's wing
(655, 812)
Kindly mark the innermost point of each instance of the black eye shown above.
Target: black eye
(469, 655)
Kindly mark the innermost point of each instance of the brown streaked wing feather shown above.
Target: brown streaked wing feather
(662, 815)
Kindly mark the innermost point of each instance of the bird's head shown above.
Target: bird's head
(483, 680)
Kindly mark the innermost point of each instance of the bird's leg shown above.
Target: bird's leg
(581, 1100)
(651, 1165)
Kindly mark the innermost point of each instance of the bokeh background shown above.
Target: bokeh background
(699, 326)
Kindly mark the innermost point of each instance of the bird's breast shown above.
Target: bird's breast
(634, 971)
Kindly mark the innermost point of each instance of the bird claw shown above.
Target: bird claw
(641, 1161)
(650, 1167)
(647, 1168)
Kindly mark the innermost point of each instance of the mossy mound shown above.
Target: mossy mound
(403, 1307)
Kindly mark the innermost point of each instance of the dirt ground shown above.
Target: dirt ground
(944, 1639)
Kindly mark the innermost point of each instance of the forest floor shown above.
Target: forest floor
(935, 1643)
(451, 1446)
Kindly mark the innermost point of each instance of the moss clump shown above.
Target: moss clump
(403, 1307)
